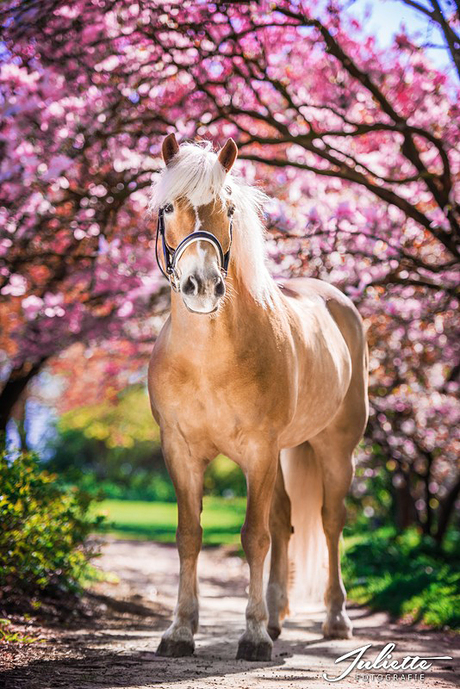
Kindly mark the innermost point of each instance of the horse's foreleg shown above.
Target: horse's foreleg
(280, 530)
(187, 477)
(256, 644)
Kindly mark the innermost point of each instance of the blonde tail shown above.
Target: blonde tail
(307, 546)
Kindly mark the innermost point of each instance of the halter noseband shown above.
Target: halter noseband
(171, 256)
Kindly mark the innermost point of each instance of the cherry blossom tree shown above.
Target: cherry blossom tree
(76, 245)
(445, 15)
(355, 143)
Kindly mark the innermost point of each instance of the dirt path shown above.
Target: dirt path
(121, 651)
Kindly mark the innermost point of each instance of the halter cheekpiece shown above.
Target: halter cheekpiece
(171, 256)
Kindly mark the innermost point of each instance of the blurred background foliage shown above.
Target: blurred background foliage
(404, 574)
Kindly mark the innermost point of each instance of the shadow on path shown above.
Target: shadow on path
(118, 650)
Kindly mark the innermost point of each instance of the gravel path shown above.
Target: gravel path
(119, 651)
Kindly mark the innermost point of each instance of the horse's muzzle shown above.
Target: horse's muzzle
(202, 294)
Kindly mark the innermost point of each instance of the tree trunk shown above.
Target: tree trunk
(445, 511)
(13, 389)
(405, 511)
(19, 415)
(428, 523)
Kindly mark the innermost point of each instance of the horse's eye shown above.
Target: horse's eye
(168, 208)
(230, 211)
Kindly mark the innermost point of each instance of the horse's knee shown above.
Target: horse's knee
(255, 541)
(189, 540)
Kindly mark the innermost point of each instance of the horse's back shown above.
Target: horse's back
(339, 306)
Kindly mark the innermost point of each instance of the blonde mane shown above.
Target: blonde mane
(196, 174)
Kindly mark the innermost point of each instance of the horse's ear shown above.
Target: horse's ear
(228, 154)
(169, 148)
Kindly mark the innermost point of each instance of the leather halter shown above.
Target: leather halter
(171, 256)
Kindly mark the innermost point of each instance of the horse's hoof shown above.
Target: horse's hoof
(274, 632)
(169, 648)
(338, 627)
(248, 650)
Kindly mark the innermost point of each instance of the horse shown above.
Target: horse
(272, 376)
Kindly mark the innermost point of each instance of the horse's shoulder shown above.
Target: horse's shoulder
(158, 369)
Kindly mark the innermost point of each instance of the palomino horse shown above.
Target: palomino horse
(274, 378)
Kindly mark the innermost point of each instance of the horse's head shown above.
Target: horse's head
(197, 233)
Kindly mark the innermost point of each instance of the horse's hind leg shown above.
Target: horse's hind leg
(280, 530)
(337, 469)
(334, 449)
(337, 480)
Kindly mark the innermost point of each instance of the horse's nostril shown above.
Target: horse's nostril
(190, 286)
(220, 287)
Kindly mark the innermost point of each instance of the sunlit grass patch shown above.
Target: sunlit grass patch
(221, 519)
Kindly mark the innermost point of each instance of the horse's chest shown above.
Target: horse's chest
(221, 401)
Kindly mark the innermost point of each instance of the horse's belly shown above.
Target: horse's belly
(320, 394)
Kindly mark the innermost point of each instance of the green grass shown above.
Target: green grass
(157, 521)
(16, 637)
(405, 575)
